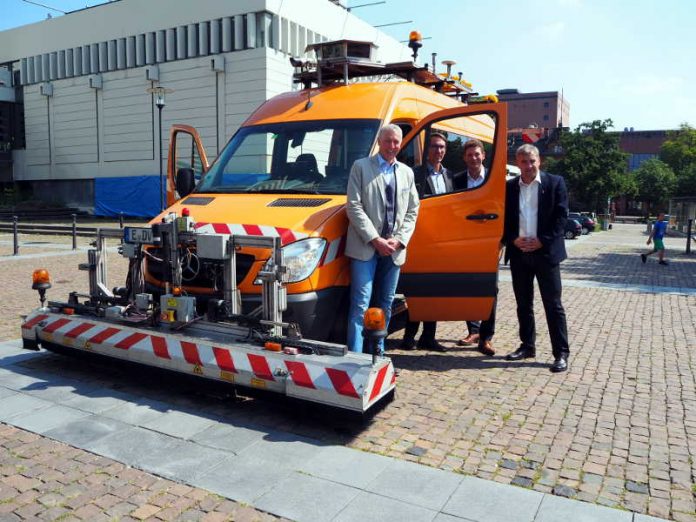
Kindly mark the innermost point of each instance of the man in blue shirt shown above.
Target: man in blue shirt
(657, 235)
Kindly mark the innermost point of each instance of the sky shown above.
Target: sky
(633, 61)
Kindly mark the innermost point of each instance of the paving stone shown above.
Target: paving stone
(555, 508)
(564, 491)
(242, 479)
(418, 485)
(635, 487)
(482, 500)
(522, 482)
(229, 438)
(301, 497)
(417, 451)
(370, 507)
(345, 466)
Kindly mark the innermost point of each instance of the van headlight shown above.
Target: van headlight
(301, 258)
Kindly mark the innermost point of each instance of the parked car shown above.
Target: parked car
(586, 222)
(573, 229)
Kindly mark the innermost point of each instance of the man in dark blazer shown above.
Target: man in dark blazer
(536, 209)
(430, 178)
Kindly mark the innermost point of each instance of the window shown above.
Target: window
(312, 157)
(546, 105)
(457, 131)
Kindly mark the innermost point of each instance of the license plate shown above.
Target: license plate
(137, 235)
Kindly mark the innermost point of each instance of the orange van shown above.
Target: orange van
(284, 173)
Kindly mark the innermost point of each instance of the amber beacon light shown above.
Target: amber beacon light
(374, 329)
(41, 281)
(415, 42)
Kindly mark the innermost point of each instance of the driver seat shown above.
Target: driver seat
(306, 166)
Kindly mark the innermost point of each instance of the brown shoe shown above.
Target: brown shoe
(469, 340)
(486, 348)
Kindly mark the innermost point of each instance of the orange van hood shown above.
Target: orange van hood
(292, 217)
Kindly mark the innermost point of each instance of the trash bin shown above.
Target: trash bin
(604, 221)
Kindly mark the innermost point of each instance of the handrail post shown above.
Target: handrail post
(74, 231)
(15, 236)
(688, 236)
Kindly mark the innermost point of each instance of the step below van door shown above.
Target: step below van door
(451, 271)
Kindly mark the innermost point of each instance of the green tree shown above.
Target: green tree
(679, 152)
(656, 183)
(592, 164)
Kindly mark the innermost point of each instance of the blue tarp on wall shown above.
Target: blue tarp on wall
(132, 196)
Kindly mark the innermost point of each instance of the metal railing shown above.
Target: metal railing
(16, 228)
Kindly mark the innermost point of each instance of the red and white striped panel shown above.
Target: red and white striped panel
(285, 234)
(334, 250)
(351, 380)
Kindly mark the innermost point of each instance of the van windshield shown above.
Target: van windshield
(311, 157)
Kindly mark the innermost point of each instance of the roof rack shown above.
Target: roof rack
(341, 61)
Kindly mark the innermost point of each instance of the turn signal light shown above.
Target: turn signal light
(374, 319)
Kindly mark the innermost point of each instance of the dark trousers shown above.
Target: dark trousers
(428, 333)
(485, 329)
(524, 268)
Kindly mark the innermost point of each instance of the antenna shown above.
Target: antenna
(45, 6)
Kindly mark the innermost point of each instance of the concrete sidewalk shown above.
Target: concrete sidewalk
(290, 476)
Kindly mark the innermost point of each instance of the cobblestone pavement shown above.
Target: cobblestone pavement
(42, 479)
(618, 429)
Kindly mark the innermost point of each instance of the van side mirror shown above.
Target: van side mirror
(185, 181)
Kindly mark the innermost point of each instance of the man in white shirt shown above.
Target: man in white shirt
(536, 209)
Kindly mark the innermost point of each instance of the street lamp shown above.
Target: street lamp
(159, 93)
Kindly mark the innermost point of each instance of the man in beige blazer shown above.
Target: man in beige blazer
(382, 210)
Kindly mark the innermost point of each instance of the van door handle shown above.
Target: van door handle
(481, 217)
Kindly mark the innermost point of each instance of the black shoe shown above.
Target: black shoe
(430, 344)
(521, 353)
(663, 262)
(560, 364)
(643, 258)
(407, 344)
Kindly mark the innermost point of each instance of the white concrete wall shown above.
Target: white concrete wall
(128, 119)
(36, 127)
(74, 124)
(83, 133)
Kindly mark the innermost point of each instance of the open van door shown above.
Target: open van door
(451, 271)
(187, 159)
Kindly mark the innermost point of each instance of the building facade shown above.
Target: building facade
(535, 109)
(80, 81)
(640, 147)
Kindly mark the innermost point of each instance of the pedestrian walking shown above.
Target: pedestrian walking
(657, 236)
